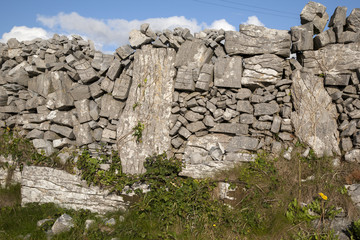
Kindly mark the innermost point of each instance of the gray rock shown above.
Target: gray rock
(243, 93)
(339, 17)
(337, 79)
(353, 156)
(240, 143)
(314, 119)
(107, 85)
(83, 111)
(95, 90)
(70, 191)
(193, 116)
(93, 110)
(62, 130)
(346, 144)
(205, 78)
(184, 79)
(328, 58)
(353, 20)
(41, 84)
(43, 146)
(184, 132)
(114, 70)
(316, 13)
(80, 92)
(3, 96)
(97, 134)
(266, 68)
(196, 127)
(266, 109)
(252, 40)
(177, 142)
(63, 142)
(244, 106)
(137, 39)
(83, 134)
(261, 125)
(86, 73)
(63, 224)
(122, 87)
(228, 72)
(302, 38)
(209, 121)
(124, 51)
(246, 118)
(110, 107)
(276, 124)
(35, 133)
(194, 52)
(60, 117)
(230, 128)
(325, 38)
(154, 111)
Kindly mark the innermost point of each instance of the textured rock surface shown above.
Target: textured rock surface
(201, 163)
(154, 99)
(43, 185)
(253, 39)
(262, 69)
(332, 58)
(315, 116)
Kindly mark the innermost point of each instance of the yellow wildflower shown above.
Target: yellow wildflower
(323, 196)
(214, 225)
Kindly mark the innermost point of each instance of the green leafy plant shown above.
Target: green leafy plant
(137, 131)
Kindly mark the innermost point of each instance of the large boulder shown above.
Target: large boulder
(251, 40)
(148, 103)
(315, 115)
(316, 13)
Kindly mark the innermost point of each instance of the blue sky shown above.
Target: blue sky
(108, 22)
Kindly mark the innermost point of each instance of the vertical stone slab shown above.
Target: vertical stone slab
(315, 115)
(148, 103)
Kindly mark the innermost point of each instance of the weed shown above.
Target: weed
(138, 130)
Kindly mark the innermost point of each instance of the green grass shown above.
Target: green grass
(267, 193)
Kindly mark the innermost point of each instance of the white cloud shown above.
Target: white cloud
(112, 33)
(254, 21)
(222, 24)
(23, 33)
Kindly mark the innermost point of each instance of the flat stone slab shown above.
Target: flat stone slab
(228, 72)
(193, 52)
(45, 185)
(154, 99)
(252, 40)
(315, 116)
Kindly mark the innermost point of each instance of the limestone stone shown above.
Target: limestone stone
(44, 185)
(114, 70)
(353, 156)
(205, 78)
(124, 51)
(62, 130)
(83, 134)
(60, 117)
(353, 20)
(316, 13)
(337, 79)
(252, 40)
(137, 39)
(107, 85)
(266, 109)
(325, 38)
(63, 142)
(83, 111)
(339, 17)
(63, 100)
(314, 119)
(86, 73)
(184, 132)
(193, 116)
(228, 72)
(333, 58)
(80, 92)
(193, 52)
(240, 143)
(35, 133)
(302, 38)
(157, 66)
(41, 84)
(196, 126)
(184, 79)
(63, 224)
(230, 128)
(110, 107)
(261, 69)
(244, 107)
(122, 87)
(43, 145)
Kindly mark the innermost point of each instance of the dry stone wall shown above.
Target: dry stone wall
(211, 98)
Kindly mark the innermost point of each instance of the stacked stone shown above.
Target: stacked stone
(238, 90)
(63, 92)
(336, 60)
